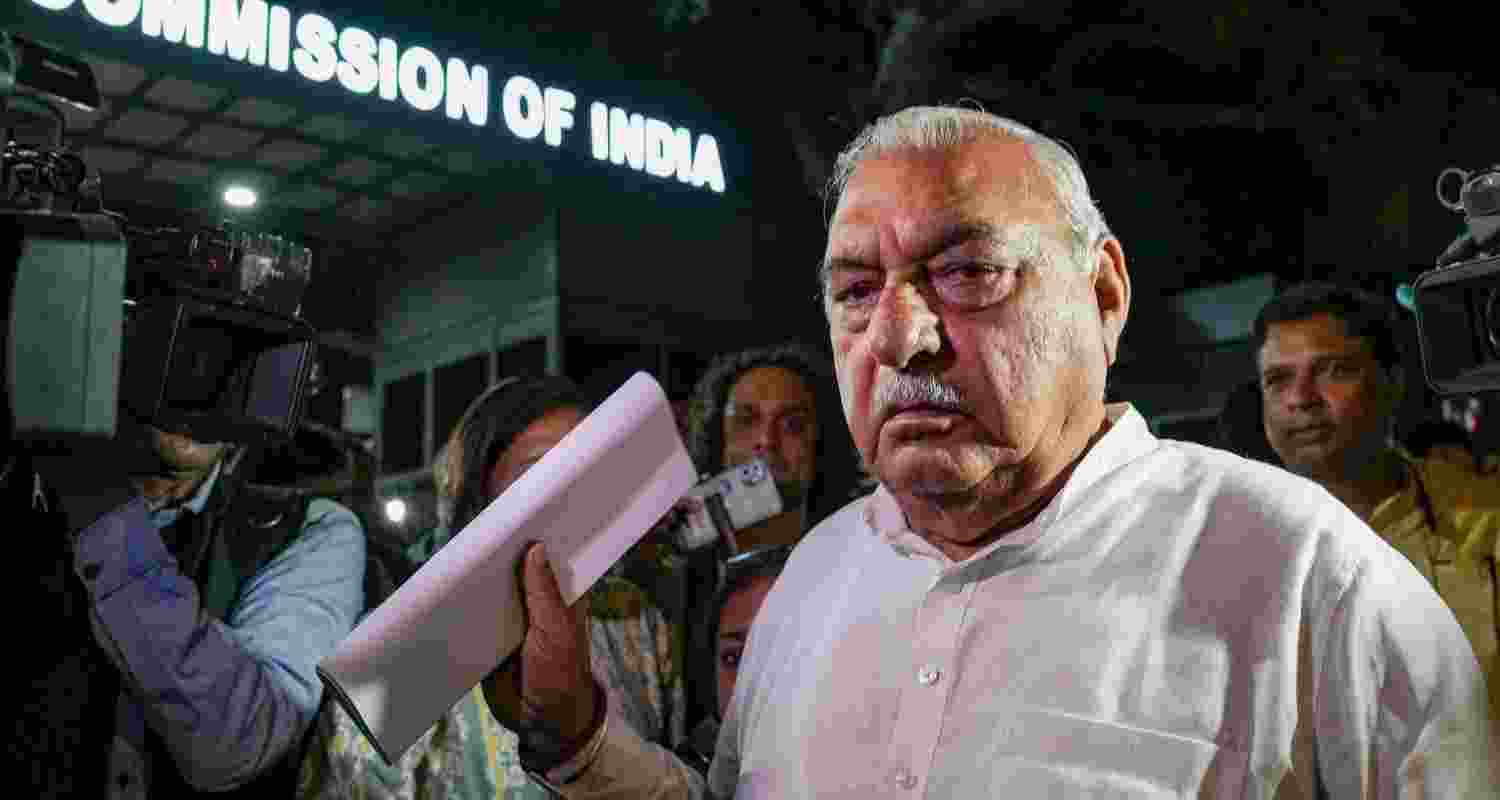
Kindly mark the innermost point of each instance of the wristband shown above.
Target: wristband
(573, 769)
(542, 750)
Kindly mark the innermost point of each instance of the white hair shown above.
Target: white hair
(947, 127)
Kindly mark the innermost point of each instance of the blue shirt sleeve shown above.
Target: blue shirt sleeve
(230, 697)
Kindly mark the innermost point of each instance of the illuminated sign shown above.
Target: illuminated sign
(312, 45)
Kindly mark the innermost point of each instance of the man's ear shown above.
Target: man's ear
(1111, 294)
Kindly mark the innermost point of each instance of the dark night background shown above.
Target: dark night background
(1226, 141)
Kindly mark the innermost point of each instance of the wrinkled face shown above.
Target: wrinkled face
(1327, 402)
(770, 414)
(528, 448)
(735, 619)
(970, 344)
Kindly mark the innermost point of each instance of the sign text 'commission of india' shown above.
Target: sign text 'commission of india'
(265, 35)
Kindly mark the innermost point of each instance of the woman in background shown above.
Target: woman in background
(467, 754)
(744, 581)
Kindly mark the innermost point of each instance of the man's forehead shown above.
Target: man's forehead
(766, 402)
(768, 387)
(1308, 339)
(920, 237)
(923, 197)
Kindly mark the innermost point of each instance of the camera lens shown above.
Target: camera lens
(1491, 322)
(1481, 195)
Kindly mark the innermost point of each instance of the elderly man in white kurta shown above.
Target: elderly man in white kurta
(1042, 599)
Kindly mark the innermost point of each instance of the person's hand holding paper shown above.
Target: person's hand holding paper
(590, 498)
(546, 691)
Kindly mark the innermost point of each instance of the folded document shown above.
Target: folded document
(589, 500)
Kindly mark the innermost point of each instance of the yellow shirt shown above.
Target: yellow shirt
(1461, 559)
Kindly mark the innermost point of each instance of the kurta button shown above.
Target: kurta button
(904, 778)
(90, 571)
(927, 676)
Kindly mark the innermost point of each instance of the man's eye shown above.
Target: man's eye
(856, 293)
(965, 272)
(970, 284)
(730, 659)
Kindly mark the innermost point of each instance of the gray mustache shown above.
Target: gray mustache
(907, 389)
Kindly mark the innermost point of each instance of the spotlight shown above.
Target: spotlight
(395, 510)
(240, 197)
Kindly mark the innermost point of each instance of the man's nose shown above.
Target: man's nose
(904, 326)
(1302, 392)
(763, 437)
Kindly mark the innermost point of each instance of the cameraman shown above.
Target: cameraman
(180, 658)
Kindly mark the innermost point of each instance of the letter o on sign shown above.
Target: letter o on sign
(521, 102)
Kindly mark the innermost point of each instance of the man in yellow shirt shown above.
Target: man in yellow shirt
(1331, 378)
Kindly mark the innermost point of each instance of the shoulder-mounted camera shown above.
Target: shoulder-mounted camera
(1458, 303)
(195, 329)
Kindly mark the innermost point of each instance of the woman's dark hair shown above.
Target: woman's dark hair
(741, 568)
(734, 574)
(833, 455)
(492, 421)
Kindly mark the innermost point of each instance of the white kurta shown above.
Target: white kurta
(1178, 622)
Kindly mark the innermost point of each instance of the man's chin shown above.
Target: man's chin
(935, 469)
(1317, 469)
(929, 488)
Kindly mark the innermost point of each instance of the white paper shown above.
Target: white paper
(589, 500)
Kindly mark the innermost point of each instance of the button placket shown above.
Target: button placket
(919, 723)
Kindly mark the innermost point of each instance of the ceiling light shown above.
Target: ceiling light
(239, 197)
(395, 510)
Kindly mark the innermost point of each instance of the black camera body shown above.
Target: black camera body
(214, 370)
(1458, 302)
(193, 329)
(214, 345)
(93, 331)
(62, 281)
(36, 171)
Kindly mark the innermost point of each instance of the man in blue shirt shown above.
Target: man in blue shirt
(209, 608)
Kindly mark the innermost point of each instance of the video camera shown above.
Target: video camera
(193, 329)
(1458, 302)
